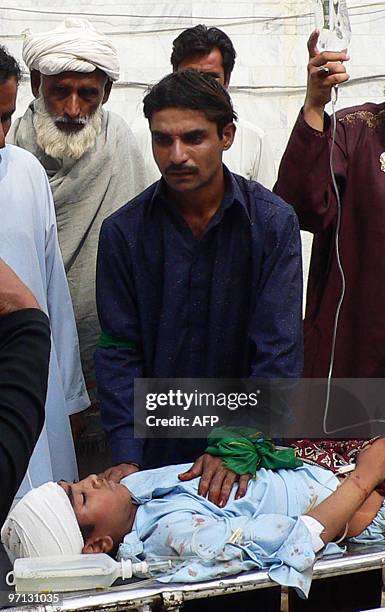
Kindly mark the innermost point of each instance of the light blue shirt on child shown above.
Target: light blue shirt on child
(260, 530)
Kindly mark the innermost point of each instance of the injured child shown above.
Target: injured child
(284, 519)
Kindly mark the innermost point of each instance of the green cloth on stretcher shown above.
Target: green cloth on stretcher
(244, 450)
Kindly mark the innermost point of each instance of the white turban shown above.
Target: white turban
(42, 523)
(73, 46)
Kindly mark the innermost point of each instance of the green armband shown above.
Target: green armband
(107, 341)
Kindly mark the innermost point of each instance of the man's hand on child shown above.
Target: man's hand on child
(117, 472)
(216, 480)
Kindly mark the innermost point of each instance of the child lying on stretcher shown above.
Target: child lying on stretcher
(285, 518)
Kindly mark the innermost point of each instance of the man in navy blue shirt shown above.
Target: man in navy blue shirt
(199, 276)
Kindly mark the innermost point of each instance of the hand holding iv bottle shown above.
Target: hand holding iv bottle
(327, 48)
(332, 21)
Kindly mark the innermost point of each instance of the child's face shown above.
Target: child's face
(102, 503)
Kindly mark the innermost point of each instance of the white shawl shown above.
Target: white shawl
(85, 192)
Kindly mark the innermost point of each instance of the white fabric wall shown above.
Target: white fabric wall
(269, 79)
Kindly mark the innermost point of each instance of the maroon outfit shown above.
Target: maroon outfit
(304, 181)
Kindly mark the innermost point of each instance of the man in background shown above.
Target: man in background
(29, 245)
(211, 50)
(359, 166)
(90, 156)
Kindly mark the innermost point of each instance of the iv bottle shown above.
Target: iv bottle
(77, 572)
(332, 20)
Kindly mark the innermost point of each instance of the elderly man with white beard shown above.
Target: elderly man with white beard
(92, 161)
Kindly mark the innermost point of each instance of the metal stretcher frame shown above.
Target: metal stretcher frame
(357, 558)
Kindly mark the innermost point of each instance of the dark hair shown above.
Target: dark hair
(86, 531)
(9, 67)
(193, 90)
(201, 40)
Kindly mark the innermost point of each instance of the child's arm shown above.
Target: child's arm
(354, 500)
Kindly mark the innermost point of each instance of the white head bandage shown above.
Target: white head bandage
(42, 523)
(73, 46)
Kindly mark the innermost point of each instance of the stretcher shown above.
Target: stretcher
(146, 595)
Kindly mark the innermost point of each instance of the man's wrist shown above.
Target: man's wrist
(135, 463)
(126, 450)
(314, 116)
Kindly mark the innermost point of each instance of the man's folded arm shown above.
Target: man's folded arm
(276, 327)
(116, 369)
(118, 359)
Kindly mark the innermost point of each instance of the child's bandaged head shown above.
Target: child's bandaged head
(42, 523)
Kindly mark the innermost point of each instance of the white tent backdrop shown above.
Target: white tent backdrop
(269, 78)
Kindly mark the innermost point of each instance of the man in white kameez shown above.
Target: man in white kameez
(93, 163)
(29, 244)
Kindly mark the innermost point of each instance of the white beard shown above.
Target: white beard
(59, 144)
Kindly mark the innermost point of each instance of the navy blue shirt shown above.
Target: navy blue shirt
(226, 304)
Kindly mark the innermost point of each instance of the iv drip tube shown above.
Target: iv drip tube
(339, 263)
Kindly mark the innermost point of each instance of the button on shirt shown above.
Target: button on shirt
(226, 304)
